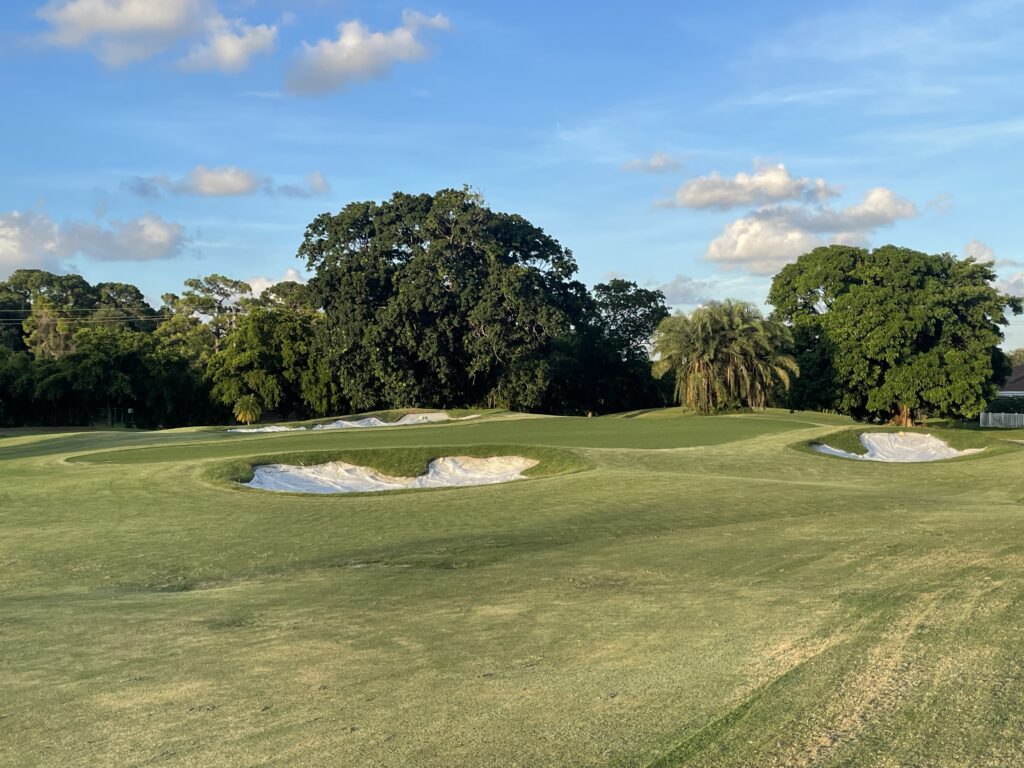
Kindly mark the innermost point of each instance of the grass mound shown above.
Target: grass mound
(399, 462)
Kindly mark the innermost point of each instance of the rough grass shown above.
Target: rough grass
(702, 595)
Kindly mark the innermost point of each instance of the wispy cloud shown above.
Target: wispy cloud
(795, 95)
(659, 162)
(223, 181)
(682, 290)
(893, 32)
(947, 138)
(1013, 285)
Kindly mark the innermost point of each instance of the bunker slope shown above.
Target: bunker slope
(371, 421)
(900, 447)
(340, 477)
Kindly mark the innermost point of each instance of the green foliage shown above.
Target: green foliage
(216, 298)
(98, 349)
(423, 300)
(892, 333)
(629, 315)
(247, 410)
(1016, 356)
(435, 300)
(724, 355)
(265, 354)
(47, 309)
(1006, 405)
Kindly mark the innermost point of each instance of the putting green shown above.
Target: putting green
(668, 590)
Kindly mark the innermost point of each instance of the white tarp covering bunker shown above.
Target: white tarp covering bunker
(899, 447)
(370, 421)
(341, 477)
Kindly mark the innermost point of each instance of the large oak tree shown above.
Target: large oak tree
(436, 300)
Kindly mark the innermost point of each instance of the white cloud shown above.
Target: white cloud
(229, 46)
(358, 55)
(659, 162)
(28, 241)
(35, 240)
(147, 238)
(224, 181)
(122, 31)
(260, 284)
(761, 245)
(119, 32)
(683, 290)
(979, 251)
(769, 237)
(767, 184)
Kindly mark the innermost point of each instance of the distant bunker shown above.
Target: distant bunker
(371, 421)
(341, 477)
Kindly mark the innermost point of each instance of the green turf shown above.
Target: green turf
(671, 590)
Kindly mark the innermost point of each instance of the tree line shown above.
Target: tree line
(435, 300)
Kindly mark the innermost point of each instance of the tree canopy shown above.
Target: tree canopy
(893, 333)
(436, 300)
(422, 300)
(724, 355)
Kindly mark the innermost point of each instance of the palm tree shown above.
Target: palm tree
(724, 354)
(247, 409)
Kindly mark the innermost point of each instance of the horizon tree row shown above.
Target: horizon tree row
(435, 300)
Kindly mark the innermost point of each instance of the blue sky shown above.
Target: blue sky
(695, 146)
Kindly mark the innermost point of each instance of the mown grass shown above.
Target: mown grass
(700, 595)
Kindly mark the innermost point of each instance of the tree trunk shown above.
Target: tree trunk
(903, 417)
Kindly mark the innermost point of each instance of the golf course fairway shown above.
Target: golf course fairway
(661, 590)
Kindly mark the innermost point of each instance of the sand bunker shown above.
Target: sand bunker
(371, 421)
(339, 477)
(900, 447)
(252, 430)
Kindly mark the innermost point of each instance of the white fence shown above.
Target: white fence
(1003, 420)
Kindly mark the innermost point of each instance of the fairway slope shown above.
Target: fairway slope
(675, 591)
